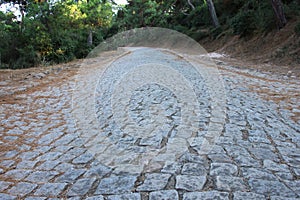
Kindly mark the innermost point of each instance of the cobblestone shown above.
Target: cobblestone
(164, 195)
(22, 188)
(154, 182)
(50, 189)
(206, 195)
(190, 183)
(116, 185)
(81, 187)
(164, 129)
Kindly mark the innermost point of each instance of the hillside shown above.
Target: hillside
(278, 51)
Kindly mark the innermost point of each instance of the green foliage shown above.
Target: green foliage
(52, 33)
(57, 31)
(243, 23)
(297, 29)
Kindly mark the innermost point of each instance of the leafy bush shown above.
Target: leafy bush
(297, 29)
(243, 23)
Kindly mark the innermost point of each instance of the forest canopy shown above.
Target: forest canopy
(47, 32)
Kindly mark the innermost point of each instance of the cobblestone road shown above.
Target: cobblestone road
(51, 149)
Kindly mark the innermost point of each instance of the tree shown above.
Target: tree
(279, 13)
(213, 13)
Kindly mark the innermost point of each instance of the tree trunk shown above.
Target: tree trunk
(90, 38)
(213, 13)
(279, 13)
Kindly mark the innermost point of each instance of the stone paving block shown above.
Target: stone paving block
(7, 197)
(63, 167)
(35, 198)
(50, 189)
(272, 188)
(83, 159)
(11, 154)
(4, 185)
(48, 165)
(132, 196)
(29, 155)
(81, 187)
(164, 195)
(41, 176)
(98, 171)
(192, 158)
(282, 198)
(196, 169)
(257, 173)
(26, 164)
(116, 185)
(247, 195)
(230, 183)
(62, 148)
(215, 195)
(276, 167)
(66, 139)
(155, 181)
(7, 163)
(223, 169)
(70, 176)
(294, 185)
(49, 138)
(264, 153)
(22, 188)
(17, 174)
(172, 168)
(190, 183)
(98, 197)
(219, 158)
(49, 156)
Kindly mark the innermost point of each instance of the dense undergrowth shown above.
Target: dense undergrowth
(65, 30)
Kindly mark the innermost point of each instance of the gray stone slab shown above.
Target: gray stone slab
(98, 171)
(172, 168)
(230, 183)
(7, 197)
(190, 183)
(98, 197)
(282, 198)
(294, 185)
(83, 159)
(4, 185)
(210, 195)
(49, 156)
(48, 165)
(81, 187)
(26, 164)
(132, 196)
(17, 174)
(164, 195)
(247, 195)
(116, 185)
(154, 182)
(70, 176)
(218, 169)
(50, 189)
(196, 169)
(22, 188)
(275, 167)
(272, 188)
(41, 176)
(35, 198)
(257, 173)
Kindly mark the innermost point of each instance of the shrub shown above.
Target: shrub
(243, 23)
(297, 29)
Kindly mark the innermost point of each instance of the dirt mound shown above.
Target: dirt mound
(278, 51)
